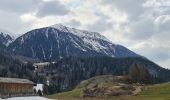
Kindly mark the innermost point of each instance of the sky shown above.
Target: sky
(143, 26)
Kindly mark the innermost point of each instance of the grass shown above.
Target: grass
(157, 92)
(76, 93)
(154, 92)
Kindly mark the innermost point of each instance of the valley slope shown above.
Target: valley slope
(111, 84)
(73, 55)
(66, 73)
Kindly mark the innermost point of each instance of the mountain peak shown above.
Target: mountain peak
(58, 26)
(5, 37)
(79, 33)
(4, 32)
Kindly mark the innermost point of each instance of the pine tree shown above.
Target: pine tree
(138, 73)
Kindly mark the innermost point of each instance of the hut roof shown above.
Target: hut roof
(15, 80)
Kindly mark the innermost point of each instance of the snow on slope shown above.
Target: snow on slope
(4, 32)
(90, 39)
(80, 33)
(94, 41)
(27, 98)
(6, 37)
(39, 87)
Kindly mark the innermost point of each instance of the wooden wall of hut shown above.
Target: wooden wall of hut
(15, 89)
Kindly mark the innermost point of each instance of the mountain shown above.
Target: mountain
(5, 37)
(2, 48)
(66, 73)
(59, 41)
(78, 55)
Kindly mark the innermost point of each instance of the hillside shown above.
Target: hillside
(142, 92)
(101, 86)
(10, 67)
(66, 73)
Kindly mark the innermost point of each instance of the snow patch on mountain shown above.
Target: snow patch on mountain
(46, 33)
(90, 39)
(81, 33)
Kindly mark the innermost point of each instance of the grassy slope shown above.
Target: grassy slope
(155, 92)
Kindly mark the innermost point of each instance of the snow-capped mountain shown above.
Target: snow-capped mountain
(59, 41)
(5, 37)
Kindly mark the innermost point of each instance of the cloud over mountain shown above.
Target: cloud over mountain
(141, 25)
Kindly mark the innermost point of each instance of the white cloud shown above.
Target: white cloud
(73, 23)
(51, 8)
(19, 6)
(141, 25)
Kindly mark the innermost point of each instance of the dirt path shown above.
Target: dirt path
(138, 89)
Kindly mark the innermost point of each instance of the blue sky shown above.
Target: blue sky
(141, 25)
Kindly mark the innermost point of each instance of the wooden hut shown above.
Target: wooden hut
(10, 87)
